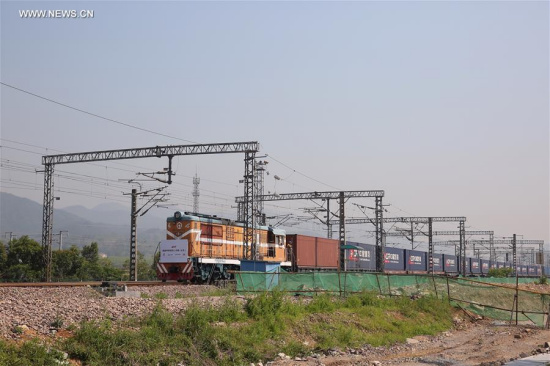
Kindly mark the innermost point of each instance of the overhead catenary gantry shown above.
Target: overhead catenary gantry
(341, 196)
(416, 220)
(511, 243)
(49, 161)
(412, 234)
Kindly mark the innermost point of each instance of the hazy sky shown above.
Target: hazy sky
(444, 105)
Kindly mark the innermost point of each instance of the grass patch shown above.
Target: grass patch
(268, 324)
(30, 353)
(220, 291)
(161, 295)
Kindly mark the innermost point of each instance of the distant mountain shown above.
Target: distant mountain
(117, 214)
(107, 224)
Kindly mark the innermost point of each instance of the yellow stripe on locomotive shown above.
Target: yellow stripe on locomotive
(216, 246)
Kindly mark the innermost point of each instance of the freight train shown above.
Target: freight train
(201, 248)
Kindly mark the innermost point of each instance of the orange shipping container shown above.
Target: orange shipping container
(310, 252)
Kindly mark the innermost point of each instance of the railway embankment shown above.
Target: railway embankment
(43, 310)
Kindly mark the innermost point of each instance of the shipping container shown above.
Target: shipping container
(524, 270)
(466, 269)
(394, 259)
(450, 263)
(416, 261)
(437, 263)
(363, 258)
(485, 266)
(314, 253)
(475, 266)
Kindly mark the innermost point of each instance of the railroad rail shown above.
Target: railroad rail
(87, 283)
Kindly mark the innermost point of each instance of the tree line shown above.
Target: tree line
(22, 260)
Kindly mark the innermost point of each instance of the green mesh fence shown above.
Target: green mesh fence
(493, 298)
(308, 283)
(496, 299)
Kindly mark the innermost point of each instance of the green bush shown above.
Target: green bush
(30, 353)
(500, 272)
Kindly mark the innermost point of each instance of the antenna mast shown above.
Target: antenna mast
(196, 193)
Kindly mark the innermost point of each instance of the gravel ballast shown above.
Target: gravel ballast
(39, 308)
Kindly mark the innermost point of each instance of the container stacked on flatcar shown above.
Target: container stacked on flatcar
(416, 261)
(450, 264)
(313, 253)
(485, 267)
(394, 260)
(362, 257)
(438, 264)
(475, 266)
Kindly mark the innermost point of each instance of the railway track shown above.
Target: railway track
(87, 283)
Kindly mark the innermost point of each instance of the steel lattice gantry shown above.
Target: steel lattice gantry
(511, 243)
(417, 220)
(341, 196)
(489, 233)
(49, 161)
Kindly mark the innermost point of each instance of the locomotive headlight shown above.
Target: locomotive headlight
(177, 215)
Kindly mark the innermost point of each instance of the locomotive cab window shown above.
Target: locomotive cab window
(270, 236)
(271, 250)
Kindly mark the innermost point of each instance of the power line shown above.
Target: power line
(95, 115)
(302, 174)
(104, 166)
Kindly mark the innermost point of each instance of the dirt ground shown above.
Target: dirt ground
(482, 342)
(472, 341)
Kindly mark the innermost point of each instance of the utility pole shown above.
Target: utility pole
(133, 237)
(462, 230)
(514, 257)
(342, 230)
(259, 169)
(380, 234)
(430, 246)
(540, 258)
(196, 193)
(133, 224)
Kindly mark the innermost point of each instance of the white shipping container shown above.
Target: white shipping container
(173, 251)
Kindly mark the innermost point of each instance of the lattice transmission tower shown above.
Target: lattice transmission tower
(196, 193)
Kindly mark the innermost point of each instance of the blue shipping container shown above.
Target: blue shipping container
(394, 259)
(450, 263)
(437, 262)
(416, 260)
(475, 267)
(363, 258)
(485, 266)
